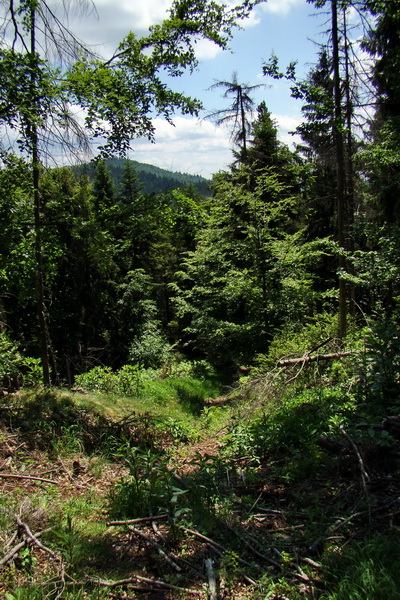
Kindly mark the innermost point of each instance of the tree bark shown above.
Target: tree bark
(340, 169)
(33, 134)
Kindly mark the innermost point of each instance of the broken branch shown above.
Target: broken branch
(8, 475)
(160, 550)
(133, 521)
(306, 359)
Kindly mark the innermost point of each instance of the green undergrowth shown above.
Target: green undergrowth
(289, 429)
(63, 422)
(367, 570)
(268, 486)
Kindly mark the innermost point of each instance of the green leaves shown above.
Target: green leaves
(119, 96)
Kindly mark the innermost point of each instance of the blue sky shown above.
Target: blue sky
(290, 28)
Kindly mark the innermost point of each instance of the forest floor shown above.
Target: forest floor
(227, 528)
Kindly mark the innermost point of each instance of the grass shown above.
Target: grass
(270, 486)
(176, 397)
(367, 570)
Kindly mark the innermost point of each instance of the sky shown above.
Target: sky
(292, 29)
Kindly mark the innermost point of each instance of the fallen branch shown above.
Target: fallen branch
(288, 528)
(251, 547)
(10, 541)
(160, 550)
(157, 532)
(156, 582)
(34, 539)
(204, 538)
(135, 588)
(140, 520)
(12, 553)
(316, 546)
(8, 475)
(306, 358)
(218, 547)
(18, 547)
(311, 562)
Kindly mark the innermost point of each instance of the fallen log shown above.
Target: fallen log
(306, 359)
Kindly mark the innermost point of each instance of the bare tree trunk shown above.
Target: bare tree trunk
(349, 157)
(37, 211)
(340, 169)
(244, 132)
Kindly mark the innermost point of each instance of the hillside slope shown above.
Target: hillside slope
(153, 179)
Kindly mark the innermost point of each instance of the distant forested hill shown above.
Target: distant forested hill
(153, 179)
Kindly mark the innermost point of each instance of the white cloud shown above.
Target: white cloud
(286, 124)
(198, 147)
(141, 14)
(281, 7)
(116, 18)
(206, 50)
(191, 146)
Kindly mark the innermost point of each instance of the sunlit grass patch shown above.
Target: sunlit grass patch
(367, 570)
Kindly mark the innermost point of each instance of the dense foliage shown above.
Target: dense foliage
(283, 281)
(140, 277)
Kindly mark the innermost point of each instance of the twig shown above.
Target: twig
(270, 511)
(36, 541)
(318, 346)
(9, 542)
(364, 475)
(280, 529)
(254, 503)
(133, 521)
(160, 550)
(8, 475)
(212, 580)
(217, 546)
(18, 547)
(157, 532)
(253, 549)
(162, 584)
(61, 589)
(135, 588)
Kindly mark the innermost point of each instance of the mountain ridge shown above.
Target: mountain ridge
(153, 179)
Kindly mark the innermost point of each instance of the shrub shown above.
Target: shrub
(147, 489)
(291, 429)
(151, 348)
(380, 366)
(128, 381)
(15, 368)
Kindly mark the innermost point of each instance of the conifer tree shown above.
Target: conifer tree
(119, 96)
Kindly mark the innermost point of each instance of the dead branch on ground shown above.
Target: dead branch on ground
(135, 578)
(157, 546)
(10, 476)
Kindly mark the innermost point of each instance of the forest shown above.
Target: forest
(200, 381)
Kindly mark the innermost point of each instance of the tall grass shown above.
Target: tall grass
(367, 570)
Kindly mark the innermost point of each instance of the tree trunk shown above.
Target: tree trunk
(349, 159)
(340, 169)
(33, 134)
